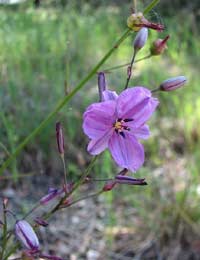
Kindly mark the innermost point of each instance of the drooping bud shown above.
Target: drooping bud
(172, 83)
(140, 39)
(26, 235)
(52, 193)
(159, 46)
(60, 138)
(137, 21)
(41, 222)
(121, 179)
(101, 85)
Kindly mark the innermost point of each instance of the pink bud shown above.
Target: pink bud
(26, 235)
(159, 46)
(173, 83)
(60, 138)
(109, 185)
(140, 39)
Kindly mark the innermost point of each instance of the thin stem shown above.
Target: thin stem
(150, 6)
(62, 103)
(126, 64)
(4, 240)
(135, 5)
(86, 197)
(64, 172)
(78, 183)
(155, 90)
(130, 68)
(32, 210)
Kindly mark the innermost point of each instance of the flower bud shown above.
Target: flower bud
(101, 84)
(109, 185)
(26, 235)
(60, 138)
(52, 193)
(41, 222)
(140, 39)
(121, 179)
(159, 46)
(137, 21)
(173, 83)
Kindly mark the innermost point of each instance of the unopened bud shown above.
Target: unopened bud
(137, 21)
(52, 194)
(121, 179)
(173, 83)
(140, 39)
(109, 185)
(41, 222)
(159, 46)
(26, 235)
(60, 138)
(101, 85)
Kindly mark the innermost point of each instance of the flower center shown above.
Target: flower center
(120, 125)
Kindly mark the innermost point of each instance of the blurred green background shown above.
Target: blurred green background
(45, 50)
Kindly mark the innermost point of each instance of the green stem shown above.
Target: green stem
(86, 197)
(64, 172)
(150, 6)
(4, 240)
(62, 102)
(126, 64)
(130, 68)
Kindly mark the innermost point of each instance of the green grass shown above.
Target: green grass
(40, 49)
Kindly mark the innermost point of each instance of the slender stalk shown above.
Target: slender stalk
(64, 172)
(150, 6)
(86, 197)
(62, 103)
(130, 72)
(155, 90)
(78, 183)
(4, 240)
(126, 64)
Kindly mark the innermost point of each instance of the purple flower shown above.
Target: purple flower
(26, 235)
(118, 122)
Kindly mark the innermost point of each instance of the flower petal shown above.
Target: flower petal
(126, 151)
(109, 95)
(140, 132)
(97, 146)
(98, 119)
(136, 103)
